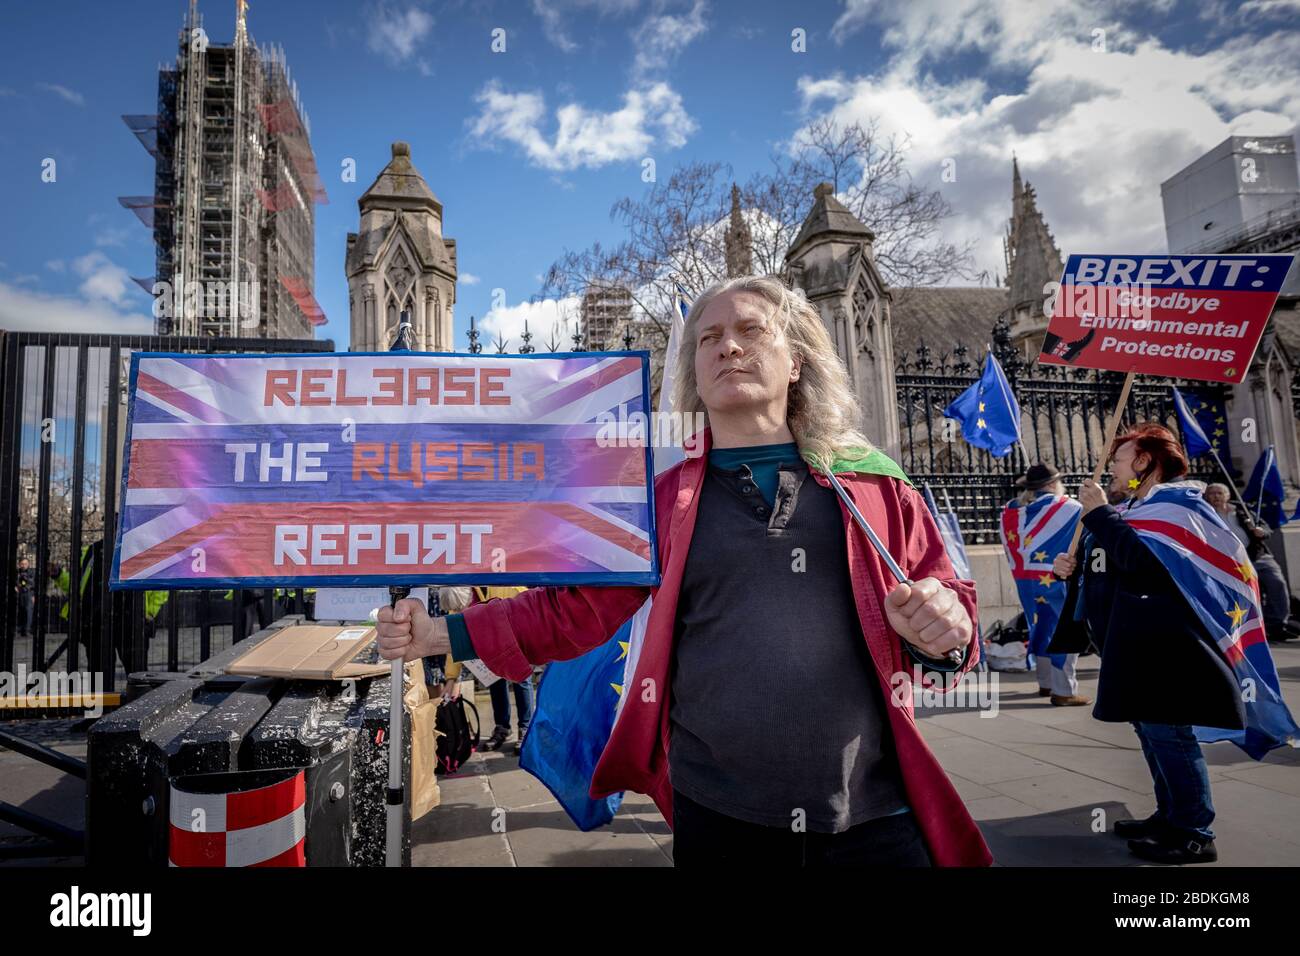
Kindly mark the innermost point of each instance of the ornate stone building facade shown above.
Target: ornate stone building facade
(401, 260)
(831, 261)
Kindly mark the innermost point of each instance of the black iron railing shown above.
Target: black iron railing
(62, 424)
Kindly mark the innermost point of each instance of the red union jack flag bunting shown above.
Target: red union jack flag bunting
(388, 468)
(262, 827)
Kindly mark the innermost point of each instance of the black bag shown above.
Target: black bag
(1008, 632)
(457, 739)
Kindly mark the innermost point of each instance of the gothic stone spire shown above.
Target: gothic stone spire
(738, 241)
(1032, 258)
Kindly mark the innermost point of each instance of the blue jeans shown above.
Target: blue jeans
(525, 700)
(1181, 779)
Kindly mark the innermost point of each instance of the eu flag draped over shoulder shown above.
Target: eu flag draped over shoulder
(579, 700)
(988, 412)
(1208, 563)
(1033, 535)
(1264, 491)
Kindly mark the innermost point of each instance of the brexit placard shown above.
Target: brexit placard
(389, 468)
(1196, 317)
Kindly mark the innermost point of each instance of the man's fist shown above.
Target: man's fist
(928, 616)
(407, 632)
(1064, 565)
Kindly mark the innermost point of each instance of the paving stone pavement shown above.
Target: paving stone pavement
(1037, 778)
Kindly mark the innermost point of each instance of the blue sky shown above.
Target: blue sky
(529, 148)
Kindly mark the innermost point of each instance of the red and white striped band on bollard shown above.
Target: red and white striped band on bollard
(262, 827)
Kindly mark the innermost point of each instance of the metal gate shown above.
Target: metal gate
(62, 424)
(1063, 417)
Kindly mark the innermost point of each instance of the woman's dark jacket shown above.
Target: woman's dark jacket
(1158, 663)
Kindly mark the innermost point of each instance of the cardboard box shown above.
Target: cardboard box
(305, 651)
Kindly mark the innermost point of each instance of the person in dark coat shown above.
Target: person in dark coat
(25, 586)
(1160, 670)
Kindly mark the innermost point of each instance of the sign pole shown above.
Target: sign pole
(395, 796)
(1112, 426)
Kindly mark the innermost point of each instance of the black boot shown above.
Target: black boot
(498, 738)
(1152, 826)
(1175, 850)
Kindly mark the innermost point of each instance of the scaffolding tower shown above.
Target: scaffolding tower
(235, 189)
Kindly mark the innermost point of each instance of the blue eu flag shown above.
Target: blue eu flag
(1194, 440)
(988, 412)
(575, 713)
(1265, 491)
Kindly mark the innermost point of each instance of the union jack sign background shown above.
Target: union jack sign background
(386, 468)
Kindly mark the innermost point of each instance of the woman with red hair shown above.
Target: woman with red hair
(1161, 669)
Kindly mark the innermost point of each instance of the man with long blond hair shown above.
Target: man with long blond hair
(769, 713)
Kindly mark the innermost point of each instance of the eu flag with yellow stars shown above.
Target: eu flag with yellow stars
(988, 412)
(1208, 414)
(576, 704)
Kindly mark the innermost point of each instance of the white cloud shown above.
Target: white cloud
(113, 236)
(24, 310)
(552, 13)
(467, 278)
(651, 118)
(1286, 8)
(396, 33)
(544, 317)
(56, 265)
(102, 279)
(662, 36)
(72, 96)
(1095, 132)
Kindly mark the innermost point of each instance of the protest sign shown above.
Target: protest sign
(1197, 317)
(375, 469)
(357, 604)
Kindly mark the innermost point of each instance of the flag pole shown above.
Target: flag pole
(1228, 477)
(1263, 477)
(395, 796)
(876, 543)
(1112, 425)
(900, 575)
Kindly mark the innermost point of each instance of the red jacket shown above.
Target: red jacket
(559, 623)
